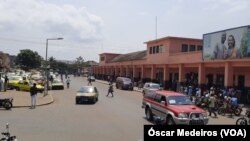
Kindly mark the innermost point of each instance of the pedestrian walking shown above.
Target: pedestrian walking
(110, 90)
(33, 93)
(89, 80)
(68, 82)
(211, 106)
(1, 83)
(6, 82)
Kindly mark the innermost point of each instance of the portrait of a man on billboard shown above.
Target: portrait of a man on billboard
(227, 44)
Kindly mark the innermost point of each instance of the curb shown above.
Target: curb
(47, 103)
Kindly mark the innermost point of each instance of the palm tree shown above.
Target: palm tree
(80, 64)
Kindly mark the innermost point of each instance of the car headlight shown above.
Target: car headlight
(182, 115)
(203, 115)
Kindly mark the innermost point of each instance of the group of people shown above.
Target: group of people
(222, 52)
(212, 95)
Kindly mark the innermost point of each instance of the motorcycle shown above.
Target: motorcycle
(6, 103)
(244, 120)
(230, 109)
(7, 136)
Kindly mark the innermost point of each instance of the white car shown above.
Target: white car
(149, 87)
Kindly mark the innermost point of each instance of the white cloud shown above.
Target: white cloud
(34, 17)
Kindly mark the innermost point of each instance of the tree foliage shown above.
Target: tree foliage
(28, 59)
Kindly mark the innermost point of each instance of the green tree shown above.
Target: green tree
(53, 63)
(80, 64)
(28, 59)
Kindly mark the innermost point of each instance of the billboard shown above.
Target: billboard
(227, 44)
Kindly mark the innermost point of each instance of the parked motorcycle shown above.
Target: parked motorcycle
(7, 136)
(6, 103)
(244, 120)
(230, 109)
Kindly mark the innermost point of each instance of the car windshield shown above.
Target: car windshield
(179, 100)
(127, 80)
(57, 81)
(15, 78)
(86, 90)
(155, 86)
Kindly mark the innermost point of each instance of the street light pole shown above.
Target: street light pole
(46, 64)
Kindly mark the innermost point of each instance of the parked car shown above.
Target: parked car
(149, 86)
(87, 94)
(92, 78)
(124, 83)
(57, 84)
(13, 80)
(168, 107)
(25, 85)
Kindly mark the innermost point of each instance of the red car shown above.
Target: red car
(172, 108)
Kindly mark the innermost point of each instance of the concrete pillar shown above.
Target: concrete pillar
(181, 73)
(134, 72)
(121, 71)
(116, 71)
(166, 73)
(228, 79)
(153, 72)
(127, 71)
(142, 72)
(103, 70)
(201, 74)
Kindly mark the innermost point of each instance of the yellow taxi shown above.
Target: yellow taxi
(87, 94)
(57, 84)
(25, 85)
(13, 80)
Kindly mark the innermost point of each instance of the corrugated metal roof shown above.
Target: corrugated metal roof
(139, 55)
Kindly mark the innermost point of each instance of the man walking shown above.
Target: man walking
(6, 82)
(33, 93)
(211, 106)
(68, 82)
(89, 80)
(110, 90)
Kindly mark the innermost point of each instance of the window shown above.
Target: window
(160, 48)
(154, 50)
(199, 47)
(158, 98)
(102, 58)
(192, 48)
(157, 49)
(150, 50)
(184, 48)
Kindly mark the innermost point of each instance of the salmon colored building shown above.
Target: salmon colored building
(173, 60)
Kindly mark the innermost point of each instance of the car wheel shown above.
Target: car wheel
(94, 100)
(149, 115)
(170, 121)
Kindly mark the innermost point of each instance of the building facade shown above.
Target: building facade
(174, 60)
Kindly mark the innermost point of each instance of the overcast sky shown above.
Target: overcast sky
(91, 27)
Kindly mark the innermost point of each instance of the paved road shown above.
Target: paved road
(110, 119)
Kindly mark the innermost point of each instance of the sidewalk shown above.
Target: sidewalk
(23, 99)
